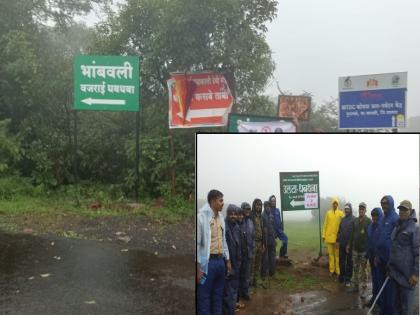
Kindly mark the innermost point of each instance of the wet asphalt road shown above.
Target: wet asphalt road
(90, 277)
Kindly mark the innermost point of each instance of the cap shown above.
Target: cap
(405, 204)
(245, 205)
(362, 204)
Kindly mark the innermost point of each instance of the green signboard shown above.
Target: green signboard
(106, 83)
(299, 190)
(234, 118)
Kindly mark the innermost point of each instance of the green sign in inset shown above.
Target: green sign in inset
(106, 83)
(299, 190)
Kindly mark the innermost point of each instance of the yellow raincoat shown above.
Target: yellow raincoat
(329, 234)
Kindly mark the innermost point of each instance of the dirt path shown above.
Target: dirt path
(288, 294)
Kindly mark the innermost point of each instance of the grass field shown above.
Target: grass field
(27, 205)
(303, 237)
(303, 246)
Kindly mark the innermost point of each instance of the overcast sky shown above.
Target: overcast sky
(315, 42)
(359, 167)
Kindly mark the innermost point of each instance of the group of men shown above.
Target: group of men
(240, 251)
(387, 243)
(236, 253)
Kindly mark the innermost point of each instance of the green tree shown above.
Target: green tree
(325, 116)
(10, 150)
(258, 105)
(189, 36)
(37, 42)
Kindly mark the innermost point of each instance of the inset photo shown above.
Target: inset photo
(307, 223)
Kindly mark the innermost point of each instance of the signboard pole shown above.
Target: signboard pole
(319, 221)
(136, 192)
(282, 219)
(75, 159)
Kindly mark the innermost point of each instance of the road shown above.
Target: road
(57, 275)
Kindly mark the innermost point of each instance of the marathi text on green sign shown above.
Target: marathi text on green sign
(106, 83)
(299, 190)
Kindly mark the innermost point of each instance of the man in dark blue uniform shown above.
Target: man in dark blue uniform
(248, 232)
(234, 245)
(403, 262)
(279, 228)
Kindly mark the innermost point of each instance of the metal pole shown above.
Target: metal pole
(136, 192)
(319, 218)
(75, 160)
(173, 171)
(319, 222)
(377, 296)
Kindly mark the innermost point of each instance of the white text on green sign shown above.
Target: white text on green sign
(106, 83)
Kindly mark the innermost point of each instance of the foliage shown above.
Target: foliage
(258, 105)
(9, 147)
(325, 116)
(38, 41)
(12, 187)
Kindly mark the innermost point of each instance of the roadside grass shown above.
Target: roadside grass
(19, 197)
(303, 237)
(59, 204)
(303, 245)
(291, 282)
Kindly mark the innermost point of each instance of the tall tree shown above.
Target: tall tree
(190, 36)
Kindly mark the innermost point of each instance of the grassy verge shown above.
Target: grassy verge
(292, 282)
(19, 197)
(303, 245)
(303, 237)
(26, 205)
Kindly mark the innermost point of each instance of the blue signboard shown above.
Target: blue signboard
(372, 109)
(373, 101)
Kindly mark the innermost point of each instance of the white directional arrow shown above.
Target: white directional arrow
(92, 101)
(297, 203)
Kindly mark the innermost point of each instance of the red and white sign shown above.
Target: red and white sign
(311, 200)
(198, 100)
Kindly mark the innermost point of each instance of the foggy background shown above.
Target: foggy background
(315, 42)
(354, 167)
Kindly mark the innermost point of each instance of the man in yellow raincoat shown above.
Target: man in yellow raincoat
(329, 235)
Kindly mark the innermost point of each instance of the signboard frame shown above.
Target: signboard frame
(198, 99)
(286, 204)
(233, 118)
(307, 116)
(106, 83)
(129, 68)
(368, 76)
(284, 175)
